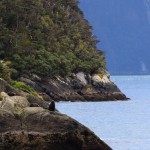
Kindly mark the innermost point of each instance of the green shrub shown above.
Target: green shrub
(22, 86)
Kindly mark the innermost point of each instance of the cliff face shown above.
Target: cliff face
(78, 87)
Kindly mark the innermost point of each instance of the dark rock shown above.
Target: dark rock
(72, 90)
(31, 83)
(104, 96)
(37, 128)
(39, 102)
(60, 90)
(11, 93)
(8, 122)
(34, 105)
(45, 97)
(78, 87)
(25, 127)
(36, 87)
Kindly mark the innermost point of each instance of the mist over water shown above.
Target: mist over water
(124, 125)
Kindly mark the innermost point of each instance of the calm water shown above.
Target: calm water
(123, 125)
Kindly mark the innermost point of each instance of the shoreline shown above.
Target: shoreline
(79, 87)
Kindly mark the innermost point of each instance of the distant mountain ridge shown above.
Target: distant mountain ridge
(124, 30)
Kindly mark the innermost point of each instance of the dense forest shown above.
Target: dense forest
(47, 38)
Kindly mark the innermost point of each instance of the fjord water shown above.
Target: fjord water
(124, 125)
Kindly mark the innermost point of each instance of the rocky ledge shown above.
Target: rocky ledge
(27, 123)
(78, 87)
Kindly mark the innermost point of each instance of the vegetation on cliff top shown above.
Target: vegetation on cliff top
(47, 37)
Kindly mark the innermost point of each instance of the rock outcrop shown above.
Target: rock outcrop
(78, 87)
(4, 86)
(24, 127)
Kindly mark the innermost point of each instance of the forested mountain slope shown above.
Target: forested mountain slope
(47, 37)
(48, 45)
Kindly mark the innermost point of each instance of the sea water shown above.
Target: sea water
(123, 125)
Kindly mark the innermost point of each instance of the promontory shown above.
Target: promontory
(49, 46)
(48, 53)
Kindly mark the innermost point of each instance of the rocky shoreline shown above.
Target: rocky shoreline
(26, 126)
(27, 123)
(78, 87)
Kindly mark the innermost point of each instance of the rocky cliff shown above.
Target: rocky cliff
(27, 124)
(78, 87)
